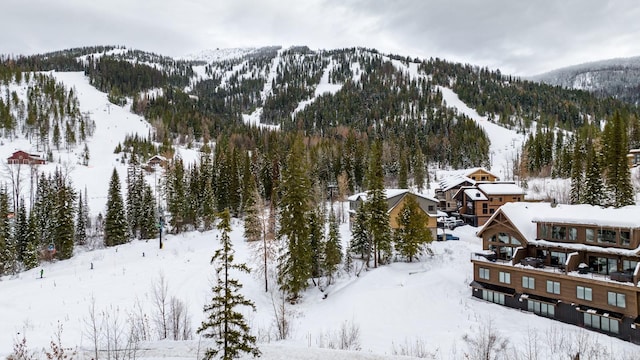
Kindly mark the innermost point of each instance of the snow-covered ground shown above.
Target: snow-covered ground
(425, 305)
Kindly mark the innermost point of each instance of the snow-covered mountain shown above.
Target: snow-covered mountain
(421, 309)
(619, 78)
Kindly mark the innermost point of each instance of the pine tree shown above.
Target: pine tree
(618, 178)
(21, 231)
(207, 211)
(403, 173)
(360, 239)
(30, 258)
(418, 170)
(225, 323)
(413, 233)
(295, 263)
(81, 226)
(593, 187)
(332, 248)
(316, 241)
(63, 214)
(252, 223)
(176, 194)
(8, 248)
(149, 214)
(577, 177)
(376, 206)
(115, 222)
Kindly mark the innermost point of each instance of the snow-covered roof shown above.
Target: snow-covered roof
(585, 247)
(525, 215)
(500, 188)
(625, 217)
(389, 193)
(475, 194)
(450, 182)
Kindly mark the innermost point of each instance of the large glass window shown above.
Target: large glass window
(602, 322)
(484, 273)
(558, 258)
(629, 265)
(505, 277)
(493, 296)
(553, 287)
(544, 231)
(625, 238)
(528, 282)
(602, 265)
(584, 293)
(558, 232)
(606, 236)
(590, 235)
(541, 308)
(572, 233)
(503, 238)
(616, 299)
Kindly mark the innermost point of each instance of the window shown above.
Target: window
(616, 299)
(503, 238)
(589, 235)
(602, 323)
(505, 277)
(553, 287)
(584, 293)
(558, 258)
(431, 208)
(625, 238)
(606, 236)
(515, 241)
(629, 265)
(544, 231)
(528, 282)
(484, 273)
(602, 265)
(541, 308)
(485, 208)
(558, 232)
(573, 234)
(493, 296)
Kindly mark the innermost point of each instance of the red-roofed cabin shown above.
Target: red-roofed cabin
(21, 157)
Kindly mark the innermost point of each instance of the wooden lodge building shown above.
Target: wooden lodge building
(395, 203)
(578, 264)
(449, 186)
(477, 203)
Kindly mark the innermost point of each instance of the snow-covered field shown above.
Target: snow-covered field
(424, 306)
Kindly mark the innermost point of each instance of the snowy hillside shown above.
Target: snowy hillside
(422, 308)
(619, 78)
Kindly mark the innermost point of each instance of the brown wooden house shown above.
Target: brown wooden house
(574, 263)
(633, 157)
(22, 157)
(450, 185)
(395, 202)
(477, 203)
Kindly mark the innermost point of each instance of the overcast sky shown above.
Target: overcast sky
(519, 37)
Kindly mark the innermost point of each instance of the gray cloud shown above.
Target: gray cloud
(521, 38)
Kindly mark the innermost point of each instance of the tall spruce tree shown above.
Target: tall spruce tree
(21, 231)
(115, 222)
(63, 215)
(316, 241)
(225, 323)
(295, 264)
(618, 178)
(593, 186)
(360, 240)
(376, 206)
(176, 194)
(413, 232)
(149, 214)
(8, 248)
(31, 257)
(332, 248)
(577, 174)
(81, 225)
(419, 170)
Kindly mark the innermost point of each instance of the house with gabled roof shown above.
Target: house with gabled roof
(395, 202)
(23, 157)
(578, 264)
(478, 202)
(450, 185)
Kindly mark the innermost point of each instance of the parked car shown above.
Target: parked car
(447, 237)
(452, 223)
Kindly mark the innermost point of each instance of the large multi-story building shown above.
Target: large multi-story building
(449, 186)
(574, 263)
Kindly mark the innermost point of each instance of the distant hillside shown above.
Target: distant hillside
(618, 78)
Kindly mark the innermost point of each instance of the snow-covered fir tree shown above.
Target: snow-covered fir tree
(115, 221)
(225, 323)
